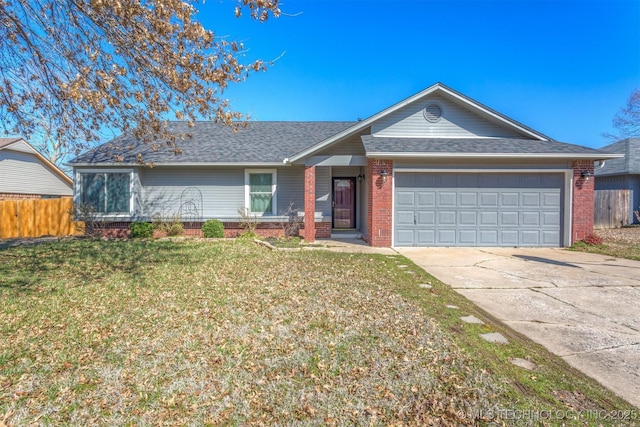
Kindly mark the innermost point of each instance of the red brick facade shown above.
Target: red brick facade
(583, 200)
(379, 202)
(323, 230)
(310, 204)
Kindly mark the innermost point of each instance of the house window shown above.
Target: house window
(260, 187)
(107, 193)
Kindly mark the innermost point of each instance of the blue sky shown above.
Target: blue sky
(561, 67)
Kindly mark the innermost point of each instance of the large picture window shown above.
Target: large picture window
(260, 191)
(107, 193)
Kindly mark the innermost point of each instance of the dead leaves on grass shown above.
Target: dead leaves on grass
(248, 336)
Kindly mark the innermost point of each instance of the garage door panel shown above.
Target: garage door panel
(551, 199)
(467, 237)
(550, 238)
(446, 237)
(550, 219)
(405, 237)
(467, 218)
(468, 199)
(489, 219)
(477, 209)
(488, 237)
(530, 199)
(447, 198)
(426, 199)
(509, 199)
(508, 237)
(446, 218)
(404, 217)
(425, 237)
(426, 218)
(488, 200)
(405, 198)
(508, 219)
(530, 219)
(530, 237)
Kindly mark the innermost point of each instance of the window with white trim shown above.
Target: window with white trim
(107, 192)
(260, 191)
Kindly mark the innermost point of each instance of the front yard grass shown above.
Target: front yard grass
(232, 333)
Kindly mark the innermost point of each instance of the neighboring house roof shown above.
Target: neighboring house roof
(19, 144)
(258, 142)
(5, 142)
(474, 147)
(630, 164)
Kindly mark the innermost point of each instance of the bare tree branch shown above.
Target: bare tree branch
(75, 69)
(627, 120)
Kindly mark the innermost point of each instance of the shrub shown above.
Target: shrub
(592, 239)
(213, 228)
(175, 229)
(141, 229)
(169, 224)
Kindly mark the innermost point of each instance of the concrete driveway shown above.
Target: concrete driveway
(583, 307)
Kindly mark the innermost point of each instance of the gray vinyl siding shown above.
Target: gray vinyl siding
(323, 191)
(21, 172)
(290, 189)
(456, 122)
(222, 190)
(352, 146)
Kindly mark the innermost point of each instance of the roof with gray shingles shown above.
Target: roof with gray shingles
(258, 142)
(4, 142)
(388, 145)
(630, 164)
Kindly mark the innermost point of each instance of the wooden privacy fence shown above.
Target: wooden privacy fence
(36, 218)
(612, 209)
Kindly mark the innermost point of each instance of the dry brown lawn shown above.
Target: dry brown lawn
(231, 333)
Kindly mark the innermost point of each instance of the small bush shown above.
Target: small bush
(593, 240)
(141, 229)
(175, 229)
(169, 225)
(213, 228)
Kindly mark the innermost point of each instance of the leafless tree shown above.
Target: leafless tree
(627, 120)
(75, 69)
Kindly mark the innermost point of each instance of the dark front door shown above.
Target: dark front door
(344, 203)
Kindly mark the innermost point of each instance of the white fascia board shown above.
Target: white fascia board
(495, 155)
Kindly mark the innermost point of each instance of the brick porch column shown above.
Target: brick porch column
(583, 199)
(310, 203)
(379, 202)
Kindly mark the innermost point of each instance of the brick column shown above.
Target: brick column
(310, 203)
(379, 202)
(583, 200)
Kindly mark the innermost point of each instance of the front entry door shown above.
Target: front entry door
(344, 203)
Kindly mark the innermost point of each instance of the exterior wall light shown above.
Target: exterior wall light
(361, 178)
(586, 175)
(384, 174)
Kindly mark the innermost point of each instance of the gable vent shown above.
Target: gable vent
(432, 113)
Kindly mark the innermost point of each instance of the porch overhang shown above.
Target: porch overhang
(337, 160)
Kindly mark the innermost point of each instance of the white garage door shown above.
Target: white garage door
(478, 209)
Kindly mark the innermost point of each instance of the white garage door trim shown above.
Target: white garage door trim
(566, 225)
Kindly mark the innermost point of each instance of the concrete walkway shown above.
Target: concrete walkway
(583, 307)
